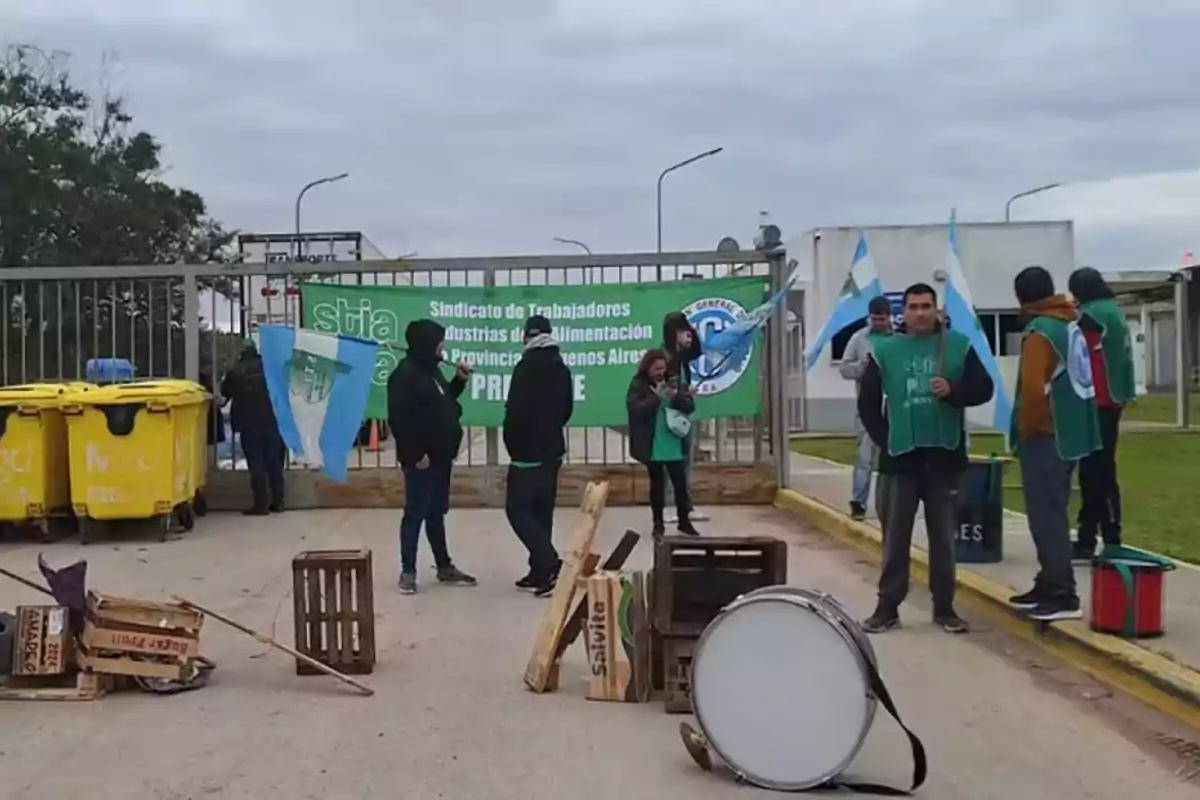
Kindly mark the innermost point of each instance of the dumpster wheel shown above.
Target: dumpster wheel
(185, 515)
(200, 503)
(91, 529)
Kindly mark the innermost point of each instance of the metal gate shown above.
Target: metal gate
(185, 321)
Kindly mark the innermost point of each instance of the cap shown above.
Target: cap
(537, 324)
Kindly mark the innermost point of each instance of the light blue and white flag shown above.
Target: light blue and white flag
(861, 287)
(960, 308)
(733, 342)
(319, 384)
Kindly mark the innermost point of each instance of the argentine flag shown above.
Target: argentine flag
(319, 384)
(732, 343)
(861, 287)
(960, 309)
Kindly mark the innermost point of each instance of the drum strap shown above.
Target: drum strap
(920, 766)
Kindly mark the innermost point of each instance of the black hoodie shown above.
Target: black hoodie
(423, 407)
(540, 401)
(679, 363)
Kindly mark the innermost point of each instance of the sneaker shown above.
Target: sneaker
(1055, 608)
(659, 530)
(671, 518)
(275, 508)
(1026, 601)
(546, 588)
(699, 516)
(881, 622)
(688, 529)
(951, 623)
(1081, 553)
(455, 577)
(530, 581)
(858, 511)
(408, 583)
(255, 512)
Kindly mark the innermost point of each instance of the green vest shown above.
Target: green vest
(1116, 347)
(1071, 392)
(916, 416)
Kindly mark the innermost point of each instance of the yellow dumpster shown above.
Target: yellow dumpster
(133, 452)
(194, 419)
(34, 478)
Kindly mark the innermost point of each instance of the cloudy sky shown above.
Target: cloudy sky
(491, 126)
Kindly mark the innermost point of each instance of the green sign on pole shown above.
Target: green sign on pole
(602, 329)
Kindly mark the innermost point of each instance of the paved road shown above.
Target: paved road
(451, 718)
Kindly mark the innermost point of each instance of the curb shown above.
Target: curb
(1153, 679)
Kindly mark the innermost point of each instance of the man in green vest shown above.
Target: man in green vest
(1111, 348)
(1053, 426)
(912, 402)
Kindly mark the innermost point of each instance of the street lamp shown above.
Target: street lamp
(1026, 193)
(300, 197)
(664, 174)
(575, 242)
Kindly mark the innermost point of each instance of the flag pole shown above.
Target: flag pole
(940, 278)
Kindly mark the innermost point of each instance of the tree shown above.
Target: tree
(80, 186)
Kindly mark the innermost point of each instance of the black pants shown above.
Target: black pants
(529, 505)
(1101, 510)
(677, 472)
(897, 497)
(265, 455)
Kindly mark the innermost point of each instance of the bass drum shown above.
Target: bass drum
(781, 687)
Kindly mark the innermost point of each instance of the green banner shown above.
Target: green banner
(602, 329)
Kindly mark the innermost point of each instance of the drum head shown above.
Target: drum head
(780, 693)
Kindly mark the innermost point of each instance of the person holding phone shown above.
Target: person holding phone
(658, 408)
(425, 417)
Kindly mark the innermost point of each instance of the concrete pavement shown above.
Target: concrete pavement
(829, 482)
(452, 719)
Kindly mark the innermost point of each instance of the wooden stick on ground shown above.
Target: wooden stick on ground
(25, 581)
(267, 640)
(539, 672)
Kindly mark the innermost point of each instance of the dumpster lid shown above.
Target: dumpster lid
(35, 393)
(162, 392)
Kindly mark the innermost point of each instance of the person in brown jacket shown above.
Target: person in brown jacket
(1041, 443)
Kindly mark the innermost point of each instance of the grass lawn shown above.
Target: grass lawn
(1159, 408)
(1159, 489)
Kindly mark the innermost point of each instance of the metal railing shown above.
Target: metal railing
(186, 320)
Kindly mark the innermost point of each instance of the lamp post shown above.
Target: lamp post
(575, 242)
(300, 197)
(664, 174)
(1026, 193)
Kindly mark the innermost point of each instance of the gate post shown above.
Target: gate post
(191, 328)
(491, 436)
(776, 369)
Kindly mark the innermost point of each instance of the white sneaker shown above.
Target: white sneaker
(699, 516)
(671, 518)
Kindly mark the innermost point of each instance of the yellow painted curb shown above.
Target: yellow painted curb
(1153, 679)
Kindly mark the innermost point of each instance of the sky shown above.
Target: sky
(475, 127)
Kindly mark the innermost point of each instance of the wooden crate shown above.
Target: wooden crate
(676, 658)
(43, 641)
(694, 578)
(139, 638)
(77, 686)
(334, 601)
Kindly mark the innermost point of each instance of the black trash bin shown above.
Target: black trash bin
(979, 538)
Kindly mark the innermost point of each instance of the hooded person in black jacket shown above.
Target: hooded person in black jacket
(681, 343)
(253, 419)
(424, 414)
(540, 402)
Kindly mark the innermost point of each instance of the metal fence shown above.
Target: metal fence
(185, 321)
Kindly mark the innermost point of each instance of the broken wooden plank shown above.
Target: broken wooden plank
(539, 672)
(615, 561)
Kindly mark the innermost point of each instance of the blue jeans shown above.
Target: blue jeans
(863, 459)
(1046, 482)
(265, 456)
(426, 501)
